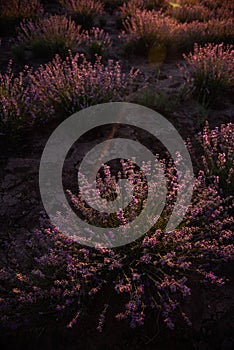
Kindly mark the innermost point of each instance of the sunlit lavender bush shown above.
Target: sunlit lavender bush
(212, 31)
(48, 36)
(146, 29)
(84, 12)
(211, 71)
(154, 272)
(74, 83)
(189, 13)
(128, 8)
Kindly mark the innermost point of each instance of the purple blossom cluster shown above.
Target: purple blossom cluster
(154, 272)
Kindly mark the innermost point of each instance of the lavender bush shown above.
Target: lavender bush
(84, 12)
(126, 10)
(16, 106)
(218, 158)
(189, 13)
(154, 272)
(60, 87)
(129, 7)
(147, 29)
(212, 31)
(97, 43)
(211, 71)
(74, 83)
(48, 36)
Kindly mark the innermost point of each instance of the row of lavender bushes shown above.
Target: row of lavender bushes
(147, 29)
(183, 10)
(143, 31)
(145, 24)
(56, 35)
(64, 86)
(155, 272)
(61, 87)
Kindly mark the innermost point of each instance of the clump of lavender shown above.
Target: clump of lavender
(221, 30)
(107, 189)
(154, 272)
(211, 71)
(97, 42)
(147, 29)
(129, 8)
(218, 158)
(84, 12)
(224, 10)
(219, 7)
(189, 13)
(16, 106)
(48, 36)
(213, 31)
(74, 83)
(61, 86)
(126, 10)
